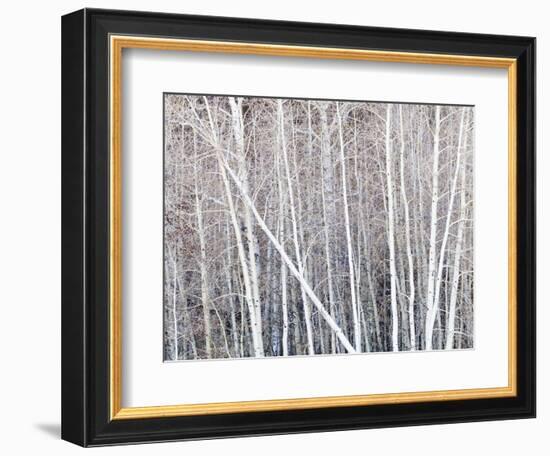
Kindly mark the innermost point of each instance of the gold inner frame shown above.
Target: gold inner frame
(116, 46)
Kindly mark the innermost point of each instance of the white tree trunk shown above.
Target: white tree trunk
(255, 329)
(449, 335)
(205, 300)
(391, 234)
(431, 306)
(284, 274)
(443, 248)
(412, 289)
(449, 338)
(251, 240)
(284, 298)
(354, 306)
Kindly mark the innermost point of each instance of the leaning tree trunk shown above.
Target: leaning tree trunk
(291, 267)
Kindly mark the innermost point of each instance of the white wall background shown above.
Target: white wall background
(30, 194)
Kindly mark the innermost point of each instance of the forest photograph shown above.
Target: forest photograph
(316, 227)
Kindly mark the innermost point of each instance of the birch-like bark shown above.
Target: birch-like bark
(250, 237)
(419, 229)
(450, 330)
(431, 298)
(351, 268)
(282, 234)
(391, 234)
(443, 248)
(411, 296)
(284, 298)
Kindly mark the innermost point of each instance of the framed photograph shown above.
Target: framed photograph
(278, 227)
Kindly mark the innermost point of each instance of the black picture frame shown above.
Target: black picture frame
(85, 228)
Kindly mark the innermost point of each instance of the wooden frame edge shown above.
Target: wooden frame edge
(512, 227)
(164, 411)
(116, 45)
(115, 231)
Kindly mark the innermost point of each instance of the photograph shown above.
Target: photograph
(301, 227)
